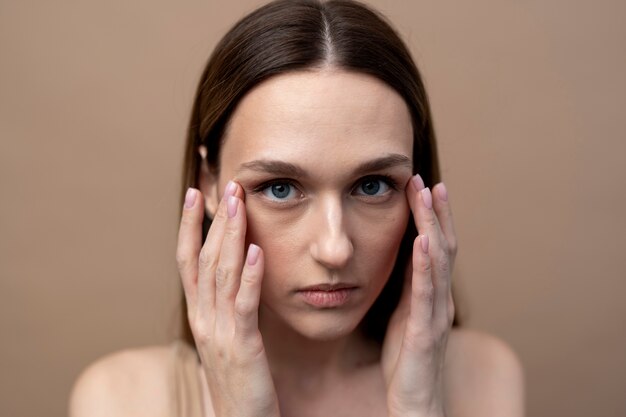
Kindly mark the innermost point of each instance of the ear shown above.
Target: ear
(208, 184)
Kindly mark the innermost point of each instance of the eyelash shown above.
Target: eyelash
(382, 177)
(389, 181)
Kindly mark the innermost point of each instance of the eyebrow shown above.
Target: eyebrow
(276, 167)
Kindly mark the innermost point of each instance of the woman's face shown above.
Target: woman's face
(323, 158)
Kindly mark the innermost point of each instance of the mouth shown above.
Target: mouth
(328, 287)
(327, 295)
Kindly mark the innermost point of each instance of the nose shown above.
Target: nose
(331, 245)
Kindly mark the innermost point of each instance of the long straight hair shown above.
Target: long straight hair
(298, 35)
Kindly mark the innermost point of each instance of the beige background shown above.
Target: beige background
(94, 98)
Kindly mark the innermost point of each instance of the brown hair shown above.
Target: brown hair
(300, 35)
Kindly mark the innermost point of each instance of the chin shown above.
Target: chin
(324, 330)
(323, 325)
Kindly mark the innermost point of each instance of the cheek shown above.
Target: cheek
(379, 241)
(278, 236)
(376, 237)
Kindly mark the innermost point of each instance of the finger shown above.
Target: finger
(209, 256)
(247, 299)
(415, 185)
(189, 243)
(422, 288)
(443, 209)
(425, 218)
(228, 272)
(405, 295)
(444, 214)
(427, 223)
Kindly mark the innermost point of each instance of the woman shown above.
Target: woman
(309, 166)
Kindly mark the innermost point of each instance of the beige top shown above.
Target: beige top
(188, 401)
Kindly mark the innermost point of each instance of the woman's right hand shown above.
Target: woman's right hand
(223, 292)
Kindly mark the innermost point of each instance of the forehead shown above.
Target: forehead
(322, 119)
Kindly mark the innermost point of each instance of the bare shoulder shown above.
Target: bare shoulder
(130, 382)
(484, 376)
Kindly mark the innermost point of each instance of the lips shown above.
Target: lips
(328, 287)
(327, 295)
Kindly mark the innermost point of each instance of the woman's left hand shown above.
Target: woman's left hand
(415, 343)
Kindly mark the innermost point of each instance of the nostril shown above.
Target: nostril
(333, 253)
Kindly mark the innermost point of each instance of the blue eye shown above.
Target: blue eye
(373, 185)
(279, 190)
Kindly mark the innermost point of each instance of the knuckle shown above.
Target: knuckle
(201, 330)
(231, 231)
(445, 248)
(206, 260)
(431, 220)
(419, 338)
(426, 293)
(220, 215)
(222, 276)
(425, 264)
(248, 279)
(182, 261)
(443, 264)
(244, 308)
(187, 220)
(439, 335)
(202, 336)
(252, 348)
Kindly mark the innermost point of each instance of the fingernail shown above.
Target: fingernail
(424, 243)
(190, 198)
(230, 189)
(427, 198)
(232, 206)
(418, 182)
(443, 192)
(253, 254)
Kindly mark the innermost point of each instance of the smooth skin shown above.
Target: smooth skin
(231, 345)
(223, 304)
(262, 351)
